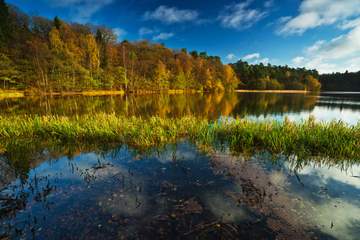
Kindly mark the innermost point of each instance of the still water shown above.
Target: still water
(180, 192)
(324, 106)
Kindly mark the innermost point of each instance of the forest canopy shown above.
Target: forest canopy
(52, 55)
(341, 81)
(271, 77)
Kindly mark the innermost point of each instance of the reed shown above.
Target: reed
(308, 138)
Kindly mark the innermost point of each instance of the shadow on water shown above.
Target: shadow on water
(177, 192)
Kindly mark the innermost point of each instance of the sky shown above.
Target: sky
(316, 34)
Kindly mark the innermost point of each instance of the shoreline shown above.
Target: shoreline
(272, 91)
(89, 93)
(24, 93)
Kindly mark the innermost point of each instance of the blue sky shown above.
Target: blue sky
(321, 34)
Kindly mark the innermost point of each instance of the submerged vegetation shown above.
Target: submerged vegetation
(305, 139)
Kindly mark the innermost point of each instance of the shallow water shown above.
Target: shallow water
(180, 192)
(176, 193)
(325, 106)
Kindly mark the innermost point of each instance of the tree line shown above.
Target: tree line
(341, 81)
(271, 77)
(53, 55)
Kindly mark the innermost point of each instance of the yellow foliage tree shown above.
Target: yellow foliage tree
(92, 54)
(162, 75)
(230, 79)
(312, 84)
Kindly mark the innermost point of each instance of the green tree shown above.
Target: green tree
(4, 23)
(9, 75)
(57, 23)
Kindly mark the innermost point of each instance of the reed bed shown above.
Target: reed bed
(308, 138)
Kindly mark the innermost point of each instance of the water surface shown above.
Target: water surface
(325, 106)
(179, 192)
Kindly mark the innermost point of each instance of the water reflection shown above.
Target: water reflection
(325, 107)
(333, 198)
(178, 192)
(203, 105)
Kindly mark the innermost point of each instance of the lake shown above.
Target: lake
(180, 191)
(324, 107)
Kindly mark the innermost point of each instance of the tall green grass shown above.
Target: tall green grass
(309, 138)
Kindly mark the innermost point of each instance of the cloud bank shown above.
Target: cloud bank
(316, 13)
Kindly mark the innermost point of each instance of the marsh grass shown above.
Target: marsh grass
(308, 138)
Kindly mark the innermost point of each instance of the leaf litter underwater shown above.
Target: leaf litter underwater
(178, 193)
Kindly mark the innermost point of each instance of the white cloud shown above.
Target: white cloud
(240, 16)
(171, 15)
(163, 36)
(256, 58)
(231, 57)
(82, 10)
(264, 61)
(349, 24)
(251, 56)
(298, 60)
(120, 33)
(315, 13)
(145, 31)
(336, 55)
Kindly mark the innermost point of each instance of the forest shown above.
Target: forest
(271, 77)
(51, 55)
(341, 81)
(38, 54)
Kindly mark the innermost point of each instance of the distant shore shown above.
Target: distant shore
(272, 91)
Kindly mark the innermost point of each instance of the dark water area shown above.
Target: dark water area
(178, 193)
(325, 106)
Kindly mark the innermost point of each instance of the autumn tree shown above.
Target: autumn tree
(92, 55)
(53, 55)
(105, 39)
(230, 79)
(312, 84)
(162, 76)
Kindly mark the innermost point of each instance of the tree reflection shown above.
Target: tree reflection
(210, 106)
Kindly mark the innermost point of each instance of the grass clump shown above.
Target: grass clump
(309, 138)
